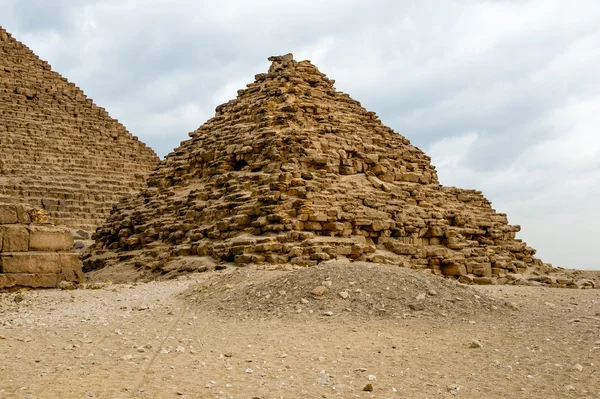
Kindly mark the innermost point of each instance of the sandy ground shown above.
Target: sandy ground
(151, 341)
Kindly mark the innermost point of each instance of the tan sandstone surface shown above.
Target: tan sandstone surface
(60, 151)
(189, 338)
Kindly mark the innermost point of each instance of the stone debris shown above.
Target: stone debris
(61, 152)
(33, 254)
(475, 344)
(295, 172)
(319, 290)
(386, 292)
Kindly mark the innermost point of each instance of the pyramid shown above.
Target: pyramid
(59, 150)
(294, 172)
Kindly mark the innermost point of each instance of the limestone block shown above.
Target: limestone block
(453, 269)
(15, 238)
(400, 248)
(29, 262)
(48, 238)
(481, 269)
(23, 216)
(70, 267)
(8, 214)
(35, 280)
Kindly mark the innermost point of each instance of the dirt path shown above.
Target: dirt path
(143, 341)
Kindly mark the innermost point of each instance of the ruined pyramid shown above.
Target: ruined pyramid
(294, 172)
(58, 150)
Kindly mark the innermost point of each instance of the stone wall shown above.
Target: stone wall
(59, 150)
(34, 254)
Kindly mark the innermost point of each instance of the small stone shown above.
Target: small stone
(570, 388)
(416, 306)
(328, 313)
(304, 301)
(19, 298)
(319, 290)
(578, 367)
(372, 377)
(67, 285)
(512, 306)
(344, 294)
(180, 349)
(327, 283)
(368, 388)
(475, 344)
(420, 297)
(432, 292)
(453, 389)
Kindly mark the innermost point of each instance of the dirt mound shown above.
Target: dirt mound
(335, 288)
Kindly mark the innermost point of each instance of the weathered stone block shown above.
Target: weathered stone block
(453, 269)
(481, 269)
(70, 268)
(15, 238)
(400, 248)
(30, 262)
(8, 214)
(28, 280)
(46, 238)
(23, 216)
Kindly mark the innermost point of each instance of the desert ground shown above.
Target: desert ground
(343, 331)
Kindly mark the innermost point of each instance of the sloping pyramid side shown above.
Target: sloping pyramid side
(293, 171)
(59, 150)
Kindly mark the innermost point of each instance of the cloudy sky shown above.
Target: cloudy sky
(503, 95)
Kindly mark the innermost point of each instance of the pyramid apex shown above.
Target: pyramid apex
(282, 58)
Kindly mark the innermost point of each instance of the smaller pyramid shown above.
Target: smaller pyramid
(294, 172)
(59, 150)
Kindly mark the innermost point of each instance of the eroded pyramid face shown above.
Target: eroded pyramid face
(59, 150)
(294, 172)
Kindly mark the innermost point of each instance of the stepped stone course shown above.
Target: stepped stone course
(34, 253)
(59, 150)
(293, 171)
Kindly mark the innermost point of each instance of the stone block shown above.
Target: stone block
(47, 238)
(22, 215)
(453, 269)
(30, 262)
(8, 214)
(35, 280)
(70, 267)
(400, 248)
(15, 238)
